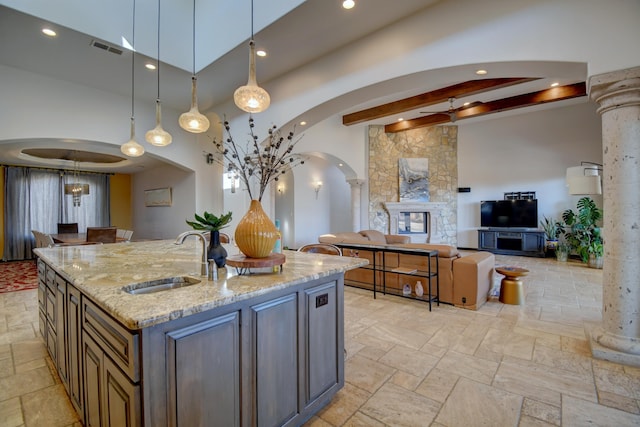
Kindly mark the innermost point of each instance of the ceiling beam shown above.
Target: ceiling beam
(554, 94)
(468, 88)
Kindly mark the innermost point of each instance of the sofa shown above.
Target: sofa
(465, 280)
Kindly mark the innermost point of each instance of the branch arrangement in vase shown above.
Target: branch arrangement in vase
(253, 161)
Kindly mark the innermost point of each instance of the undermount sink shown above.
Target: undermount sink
(160, 285)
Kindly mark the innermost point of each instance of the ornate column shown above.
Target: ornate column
(356, 187)
(618, 96)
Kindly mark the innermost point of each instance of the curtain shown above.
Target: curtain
(35, 200)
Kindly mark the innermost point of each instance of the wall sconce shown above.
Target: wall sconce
(281, 188)
(585, 179)
(208, 157)
(317, 187)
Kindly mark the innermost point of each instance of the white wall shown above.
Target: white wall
(525, 152)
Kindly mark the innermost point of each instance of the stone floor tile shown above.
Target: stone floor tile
(616, 382)
(619, 402)
(579, 413)
(48, 407)
(563, 360)
(344, 405)
(361, 420)
(527, 421)
(468, 366)
(26, 382)
(438, 385)
(395, 406)
(11, 413)
(409, 360)
(483, 406)
(366, 374)
(542, 411)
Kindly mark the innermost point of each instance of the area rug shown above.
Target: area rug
(18, 276)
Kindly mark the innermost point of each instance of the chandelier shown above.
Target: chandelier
(76, 189)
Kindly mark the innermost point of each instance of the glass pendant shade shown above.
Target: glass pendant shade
(252, 98)
(131, 148)
(193, 121)
(158, 136)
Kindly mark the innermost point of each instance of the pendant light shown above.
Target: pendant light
(251, 98)
(193, 121)
(158, 136)
(131, 148)
(76, 189)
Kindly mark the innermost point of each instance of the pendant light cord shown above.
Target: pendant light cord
(159, 49)
(194, 38)
(133, 58)
(252, 20)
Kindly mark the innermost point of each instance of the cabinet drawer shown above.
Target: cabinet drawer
(50, 278)
(42, 268)
(119, 343)
(42, 296)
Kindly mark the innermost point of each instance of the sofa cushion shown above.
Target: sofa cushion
(374, 236)
(344, 237)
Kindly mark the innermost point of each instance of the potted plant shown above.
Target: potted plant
(562, 252)
(581, 231)
(551, 229)
(213, 224)
(596, 252)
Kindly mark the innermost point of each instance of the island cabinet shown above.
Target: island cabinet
(273, 360)
(268, 360)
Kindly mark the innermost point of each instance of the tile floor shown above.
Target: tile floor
(502, 365)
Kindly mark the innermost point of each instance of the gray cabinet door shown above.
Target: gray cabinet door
(61, 331)
(92, 363)
(120, 397)
(322, 340)
(74, 348)
(203, 378)
(275, 344)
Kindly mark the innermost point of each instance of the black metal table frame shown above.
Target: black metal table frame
(399, 250)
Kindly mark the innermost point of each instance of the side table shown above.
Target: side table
(511, 290)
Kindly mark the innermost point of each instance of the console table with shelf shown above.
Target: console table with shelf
(391, 267)
(508, 241)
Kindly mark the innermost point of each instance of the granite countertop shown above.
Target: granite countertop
(102, 271)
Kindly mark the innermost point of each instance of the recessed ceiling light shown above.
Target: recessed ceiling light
(150, 66)
(340, 164)
(49, 32)
(348, 4)
(261, 52)
(481, 72)
(303, 123)
(400, 119)
(466, 103)
(554, 84)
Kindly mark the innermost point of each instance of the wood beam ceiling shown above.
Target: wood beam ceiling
(559, 93)
(467, 88)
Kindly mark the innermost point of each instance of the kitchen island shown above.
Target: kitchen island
(140, 338)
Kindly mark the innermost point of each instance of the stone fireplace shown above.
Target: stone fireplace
(431, 209)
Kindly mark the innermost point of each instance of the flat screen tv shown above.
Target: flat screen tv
(509, 213)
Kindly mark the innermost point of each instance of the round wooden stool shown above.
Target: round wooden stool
(511, 291)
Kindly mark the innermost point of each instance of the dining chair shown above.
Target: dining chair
(101, 234)
(321, 248)
(224, 238)
(71, 227)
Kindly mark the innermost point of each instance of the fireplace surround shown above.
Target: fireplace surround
(432, 211)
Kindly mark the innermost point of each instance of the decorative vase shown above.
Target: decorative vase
(256, 234)
(562, 255)
(216, 251)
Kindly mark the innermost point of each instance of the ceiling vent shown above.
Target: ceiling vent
(104, 46)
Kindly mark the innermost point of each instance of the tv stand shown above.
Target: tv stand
(512, 241)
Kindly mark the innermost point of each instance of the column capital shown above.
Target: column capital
(355, 182)
(615, 89)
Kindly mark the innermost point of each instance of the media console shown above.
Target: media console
(512, 241)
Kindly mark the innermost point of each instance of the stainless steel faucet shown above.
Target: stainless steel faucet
(204, 267)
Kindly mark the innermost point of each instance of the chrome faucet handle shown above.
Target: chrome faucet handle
(213, 270)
